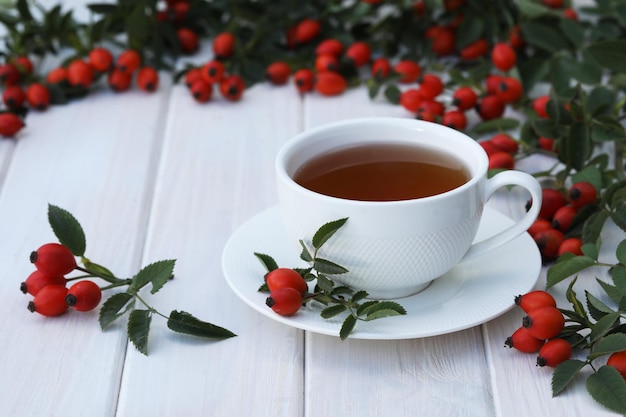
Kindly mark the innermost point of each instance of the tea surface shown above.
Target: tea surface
(382, 172)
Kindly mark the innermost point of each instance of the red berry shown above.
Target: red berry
(83, 296)
(128, 61)
(53, 259)
(359, 53)
(100, 59)
(188, 40)
(285, 277)
(490, 107)
(464, 98)
(23, 64)
(523, 341)
(330, 47)
(515, 38)
(443, 40)
(37, 280)
(10, 124)
(304, 79)
(224, 45)
(570, 13)
(618, 361)
(539, 225)
(503, 56)
(571, 245)
(430, 86)
(57, 75)
(9, 74)
(489, 147)
(232, 87)
(381, 67)
(474, 50)
(49, 301)
(306, 31)
(581, 194)
(330, 83)
(212, 72)
(326, 62)
(539, 106)
(119, 81)
(38, 96)
(509, 90)
(192, 75)
(14, 97)
(431, 106)
(548, 241)
(551, 201)
(563, 217)
(544, 322)
(285, 301)
(547, 144)
(409, 70)
(505, 143)
(492, 83)
(201, 90)
(556, 4)
(455, 119)
(148, 79)
(80, 73)
(411, 100)
(278, 72)
(535, 299)
(501, 160)
(554, 352)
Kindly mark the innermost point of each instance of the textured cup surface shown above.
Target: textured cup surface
(395, 248)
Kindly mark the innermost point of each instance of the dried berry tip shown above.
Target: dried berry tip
(33, 257)
(269, 302)
(31, 307)
(508, 342)
(23, 287)
(526, 322)
(70, 300)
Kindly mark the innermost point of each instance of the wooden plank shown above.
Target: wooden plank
(216, 171)
(94, 158)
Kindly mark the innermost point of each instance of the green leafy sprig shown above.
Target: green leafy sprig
(130, 302)
(336, 299)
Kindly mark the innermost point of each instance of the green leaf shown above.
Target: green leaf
(613, 292)
(564, 373)
(603, 326)
(573, 30)
(618, 275)
(347, 327)
(98, 270)
(607, 386)
(383, 309)
(359, 295)
(325, 283)
(328, 267)
(593, 227)
(332, 311)
(562, 270)
(67, 229)
(139, 329)
(620, 252)
(183, 322)
(268, 262)
(495, 125)
(392, 94)
(610, 54)
(113, 308)
(575, 148)
(326, 232)
(596, 308)
(305, 255)
(158, 273)
(612, 343)
(543, 36)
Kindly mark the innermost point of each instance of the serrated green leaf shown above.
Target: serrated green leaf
(325, 232)
(610, 54)
(607, 386)
(610, 290)
(593, 227)
(347, 327)
(603, 326)
(562, 270)
(564, 373)
(67, 229)
(113, 308)
(332, 311)
(618, 275)
(383, 309)
(98, 270)
(365, 306)
(359, 295)
(620, 252)
(325, 283)
(328, 267)
(158, 273)
(139, 329)
(183, 322)
(267, 261)
(305, 254)
(611, 343)
(495, 125)
(597, 309)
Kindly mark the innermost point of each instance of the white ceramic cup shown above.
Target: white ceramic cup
(393, 249)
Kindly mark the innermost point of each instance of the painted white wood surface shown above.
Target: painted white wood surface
(159, 176)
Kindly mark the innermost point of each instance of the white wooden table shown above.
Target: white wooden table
(160, 176)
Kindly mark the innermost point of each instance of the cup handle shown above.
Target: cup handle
(503, 179)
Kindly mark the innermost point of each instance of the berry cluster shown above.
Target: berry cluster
(48, 284)
(555, 230)
(540, 329)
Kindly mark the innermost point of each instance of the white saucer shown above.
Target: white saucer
(472, 293)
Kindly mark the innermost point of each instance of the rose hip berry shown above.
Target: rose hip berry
(14, 97)
(330, 83)
(503, 56)
(304, 79)
(37, 280)
(10, 124)
(430, 86)
(464, 98)
(381, 67)
(581, 194)
(455, 119)
(9, 74)
(49, 301)
(548, 241)
(192, 75)
(119, 81)
(57, 76)
(326, 62)
(83, 296)
(128, 61)
(148, 79)
(100, 59)
(551, 201)
(618, 361)
(285, 278)
(409, 70)
(330, 47)
(544, 322)
(490, 107)
(187, 39)
(523, 341)
(474, 50)
(554, 352)
(278, 72)
(284, 301)
(501, 160)
(505, 143)
(539, 106)
(359, 53)
(535, 299)
(213, 71)
(201, 90)
(53, 259)
(306, 30)
(232, 87)
(80, 74)
(411, 100)
(38, 96)
(571, 245)
(224, 45)
(23, 64)
(563, 218)
(509, 90)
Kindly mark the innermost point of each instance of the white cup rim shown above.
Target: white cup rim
(287, 150)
